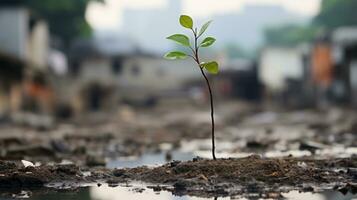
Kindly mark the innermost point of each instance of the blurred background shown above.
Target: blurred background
(84, 82)
(62, 59)
(94, 68)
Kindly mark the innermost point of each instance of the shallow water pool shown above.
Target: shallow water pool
(141, 192)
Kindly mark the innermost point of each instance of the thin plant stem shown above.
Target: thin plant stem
(197, 59)
(212, 114)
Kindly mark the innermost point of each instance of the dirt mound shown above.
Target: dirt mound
(251, 173)
(288, 171)
(13, 175)
(199, 177)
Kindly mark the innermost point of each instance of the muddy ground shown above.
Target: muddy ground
(199, 177)
(227, 177)
(262, 150)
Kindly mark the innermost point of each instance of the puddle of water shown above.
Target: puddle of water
(201, 148)
(105, 193)
(152, 159)
(140, 192)
(112, 193)
(326, 195)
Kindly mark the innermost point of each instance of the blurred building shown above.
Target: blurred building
(101, 76)
(23, 36)
(284, 72)
(277, 64)
(333, 67)
(343, 47)
(24, 47)
(238, 79)
(322, 73)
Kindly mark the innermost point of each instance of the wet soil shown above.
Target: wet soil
(14, 175)
(199, 177)
(225, 177)
(322, 146)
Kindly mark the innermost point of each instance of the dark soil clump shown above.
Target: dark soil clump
(251, 174)
(13, 175)
(199, 177)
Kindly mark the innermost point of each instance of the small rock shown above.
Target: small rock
(138, 190)
(27, 163)
(302, 165)
(156, 188)
(308, 189)
(352, 172)
(180, 185)
(311, 146)
(197, 159)
(119, 172)
(174, 163)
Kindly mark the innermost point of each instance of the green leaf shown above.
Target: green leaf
(180, 39)
(204, 28)
(211, 67)
(186, 21)
(175, 55)
(207, 42)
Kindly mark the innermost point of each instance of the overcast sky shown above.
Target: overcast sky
(108, 16)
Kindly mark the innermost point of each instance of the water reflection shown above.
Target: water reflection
(114, 193)
(201, 148)
(149, 159)
(326, 195)
(140, 192)
(106, 193)
(81, 194)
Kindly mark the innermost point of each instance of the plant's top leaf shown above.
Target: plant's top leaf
(208, 42)
(175, 55)
(180, 39)
(204, 28)
(211, 67)
(186, 21)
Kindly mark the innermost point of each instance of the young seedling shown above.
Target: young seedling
(211, 66)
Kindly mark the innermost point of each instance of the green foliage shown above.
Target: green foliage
(207, 42)
(66, 18)
(289, 35)
(211, 67)
(180, 39)
(204, 28)
(186, 21)
(337, 13)
(175, 55)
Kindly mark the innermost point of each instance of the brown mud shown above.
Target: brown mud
(323, 145)
(199, 177)
(226, 177)
(14, 175)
